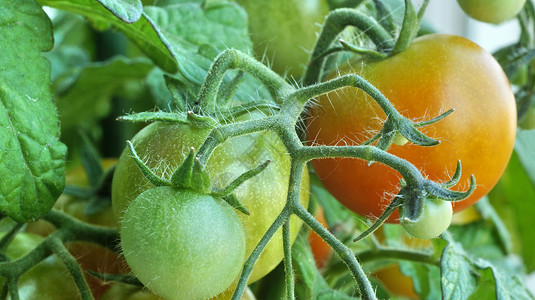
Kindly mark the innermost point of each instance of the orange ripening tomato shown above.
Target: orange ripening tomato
(396, 282)
(436, 73)
(320, 249)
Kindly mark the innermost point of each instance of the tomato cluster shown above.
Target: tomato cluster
(163, 146)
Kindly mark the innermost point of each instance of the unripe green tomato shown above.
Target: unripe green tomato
(284, 31)
(492, 11)
(163, 146)
(436, 218)
(182, 244)
(48, 280)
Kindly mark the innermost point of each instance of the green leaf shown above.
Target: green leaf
(514, 200)
(458, 278)
(198, 34)
(32, 161)
(127, 11)
(468, 277)
(525, 148)
(426, 279)
(143, 32)
(83, 101)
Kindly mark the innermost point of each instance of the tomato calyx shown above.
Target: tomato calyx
(191, 174)
(412, 199)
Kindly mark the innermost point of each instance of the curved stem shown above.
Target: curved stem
(370, 153)
(380, 253)
(234, 59)
(350, 80)
(335, 23)
(219, 135)
(56, 245)
(346, 254)
(253, 257)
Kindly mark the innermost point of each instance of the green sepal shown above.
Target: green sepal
(200, 121)
(200, 180)
(233, 201)
(409, 29)
(153, 178)
(413, 204)
(181, 178)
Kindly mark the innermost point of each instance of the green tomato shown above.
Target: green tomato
(163, 146)
(436, 218)
(41, 281)
(284, 31)
(123, 291)
(182, 244)
(492, 11)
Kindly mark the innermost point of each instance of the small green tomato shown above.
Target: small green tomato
(436, 218)
(182, 244)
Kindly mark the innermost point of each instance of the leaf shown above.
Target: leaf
(83, 102)
(426, 279)
(468, 277)
(514, 200)
(525, 148)
(127, 11)
(458, 278)
(190, 30)
(32, 161)
(143, 32)
(197, 34)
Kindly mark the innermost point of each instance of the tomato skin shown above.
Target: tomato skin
(182, 244)
(284, 31)
(41, 281)
(163, 146)
(492, 11)
(436, 73)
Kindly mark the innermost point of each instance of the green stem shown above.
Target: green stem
(253, 257)
(72, 265)
(219, 135)
(381, 253)
(351, 80)
(346, 254)
(410, 173)
(288, 270)
(234, 59)
(335, 23)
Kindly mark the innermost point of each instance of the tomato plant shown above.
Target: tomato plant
(284, 32)
(493, 11)
(176, 240)
(41, 281)
(436, 73)
(164, 146)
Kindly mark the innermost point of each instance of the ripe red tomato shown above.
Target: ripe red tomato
(436, 73)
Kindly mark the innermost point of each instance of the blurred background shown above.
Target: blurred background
(447, 17)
